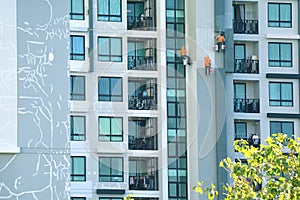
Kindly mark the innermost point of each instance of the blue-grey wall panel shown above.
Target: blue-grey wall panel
(41, 169)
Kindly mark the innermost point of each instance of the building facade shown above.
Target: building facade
(129, 116)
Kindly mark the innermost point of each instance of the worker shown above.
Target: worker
(220, 41)
(207, 65)
(186, 59)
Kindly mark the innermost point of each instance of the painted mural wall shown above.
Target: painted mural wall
(38, 77)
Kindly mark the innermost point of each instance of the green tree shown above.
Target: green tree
(274, 166)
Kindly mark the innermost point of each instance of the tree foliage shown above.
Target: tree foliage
(271, 171)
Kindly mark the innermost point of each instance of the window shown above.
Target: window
(109, 10)
(78, 168)
(111, 198)
(77, 128)
(78, 198)
(281, 94)
(77, 9)
(280, 15)
(110, 89)
(77, 47)
(110, 129)
(282, 127)
(280, 54)
(77, 87)
(240, 129)
(110, 169)
(110, 49)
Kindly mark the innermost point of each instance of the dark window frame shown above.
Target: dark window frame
(73, 55)
(73, 175)
(82, 15)
(280, 61)
(72, 94)
(110, 135)
(109, 16)
(72, 134)
(110, 57)
(110, 96)
(111, 176)
(280, 100)
(279, 21)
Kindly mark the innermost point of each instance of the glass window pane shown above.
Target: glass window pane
(104, 166)
(275, 127)
(117, 166)
(77, 127)
(103, 86)
(286, 91)
(274, 91)
(103, 7)
(115, 7)
(116, 84)
(116, 44)
(172, 149)
(182, 189)
(285, 12)
(77, 6)
(240, 130)
(286, 52)
(172, 189)
(171, 109)
(116, 126)
(78, 166)
(103, 46)
(78, 44)
(104, 126)
(239, 91)
(273, 51)
(273, 12)
(288, 128)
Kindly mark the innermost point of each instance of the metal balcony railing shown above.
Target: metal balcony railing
(143, 143)
(142, 103)
(246, 105)
(246, 66)
(143, 183)
(245, 26)
(141, 63)
(141, 23)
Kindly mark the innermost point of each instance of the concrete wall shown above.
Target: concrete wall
(39, 88)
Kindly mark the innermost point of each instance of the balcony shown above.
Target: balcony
(249, 66)
(142, 94)
(141, 63)
(141, 15)
(246, 105)
(141, 54)
(143, 174)
(245, 26)
(142, 134)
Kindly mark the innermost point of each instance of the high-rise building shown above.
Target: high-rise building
(158, 92)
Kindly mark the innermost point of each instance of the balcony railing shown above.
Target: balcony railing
(142, 103)
(143, 183)
(245, 26)
(246, 105)
(140, 23)
(246, 66)
(141, 63)
(144, 143)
